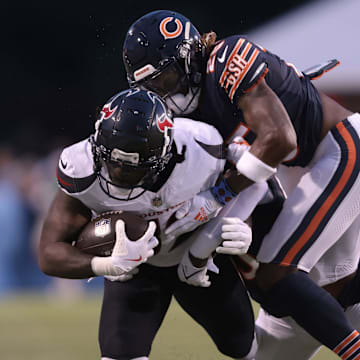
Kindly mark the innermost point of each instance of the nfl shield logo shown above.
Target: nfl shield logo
(103, 227)
(156, 201)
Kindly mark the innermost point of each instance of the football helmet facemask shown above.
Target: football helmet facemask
(132, 143)
(163, 53)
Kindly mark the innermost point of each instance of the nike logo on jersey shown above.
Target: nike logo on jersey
(239, 63)
(223, 56)
(138, 259)
(64, 165)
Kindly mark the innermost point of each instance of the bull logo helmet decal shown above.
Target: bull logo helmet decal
(107, 112)
(163, 122)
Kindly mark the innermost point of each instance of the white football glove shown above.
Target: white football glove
(123, 277)
(126, 254)
(129, 254)
(238, 235)
(195, 276)
(236, 149)
(193, 213)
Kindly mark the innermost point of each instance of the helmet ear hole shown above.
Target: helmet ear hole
(184, 49)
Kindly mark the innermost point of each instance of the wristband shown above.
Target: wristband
(222, 192)
(253, 168)
(103, 266)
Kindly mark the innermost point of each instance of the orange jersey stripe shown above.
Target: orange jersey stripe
(233, 53)
(351, 350)
(197, 216)
(330, 200)
(345, 341)
(242, 55)
(246, 50)
(246, 69)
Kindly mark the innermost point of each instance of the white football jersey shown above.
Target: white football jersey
(203, 163)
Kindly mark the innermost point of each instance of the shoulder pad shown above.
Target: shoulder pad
(186, 129)
(73, 185)
(205, 135)
(75, 168)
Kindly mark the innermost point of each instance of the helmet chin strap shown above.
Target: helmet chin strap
(184, 104)
(128, 194)
(116, 192)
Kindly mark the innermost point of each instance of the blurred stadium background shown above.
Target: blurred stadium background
(61, 61)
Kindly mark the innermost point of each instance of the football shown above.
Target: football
(98, 236)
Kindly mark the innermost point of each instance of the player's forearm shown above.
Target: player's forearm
(236, 181)
(60, 259)
(273, 148)
(260, 162)
(267, 117)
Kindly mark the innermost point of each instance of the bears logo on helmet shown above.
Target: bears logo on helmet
(158, 39)
(171, 34)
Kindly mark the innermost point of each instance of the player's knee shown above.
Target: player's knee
(239, 348)
(269, 274)
(272, 282)
(350, 293)
(252, 352)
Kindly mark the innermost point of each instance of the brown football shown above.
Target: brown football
(98, 236)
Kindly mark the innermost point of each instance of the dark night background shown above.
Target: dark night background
(61, 60)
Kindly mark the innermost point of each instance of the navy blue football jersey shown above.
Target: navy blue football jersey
(234, 67)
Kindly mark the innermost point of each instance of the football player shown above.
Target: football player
(243, 89)
(282, 338)
(142, 160)
(336, 270)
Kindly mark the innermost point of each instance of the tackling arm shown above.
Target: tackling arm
(275, 136)
(208, 237)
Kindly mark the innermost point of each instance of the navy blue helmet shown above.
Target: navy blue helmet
(133, 140)
(163, 53)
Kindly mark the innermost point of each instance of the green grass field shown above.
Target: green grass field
(41, 328)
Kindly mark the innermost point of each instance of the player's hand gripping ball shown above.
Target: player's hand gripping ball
(99, 235)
